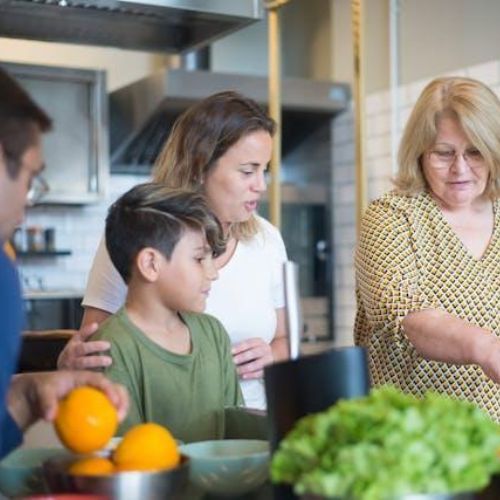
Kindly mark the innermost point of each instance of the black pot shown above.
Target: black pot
(492, 491)
(311, 384)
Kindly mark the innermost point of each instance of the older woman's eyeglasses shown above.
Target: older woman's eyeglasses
(445, 157)
(38, 188)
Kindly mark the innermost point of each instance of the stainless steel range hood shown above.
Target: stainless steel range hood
(150, 25)
(142, 114)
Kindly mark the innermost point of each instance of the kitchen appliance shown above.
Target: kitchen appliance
(142, 113)
(76, 150)
(305, 226)
(147, 25)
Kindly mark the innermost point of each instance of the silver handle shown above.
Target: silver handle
(292, 303)
(322, 250)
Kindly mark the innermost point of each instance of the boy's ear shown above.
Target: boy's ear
(148, 263)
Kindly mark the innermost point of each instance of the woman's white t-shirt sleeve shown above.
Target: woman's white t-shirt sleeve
(106, 289)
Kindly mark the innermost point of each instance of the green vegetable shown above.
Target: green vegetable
(390, 443)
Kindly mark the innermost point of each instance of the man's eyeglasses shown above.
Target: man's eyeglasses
(445, 157)
(38, 188)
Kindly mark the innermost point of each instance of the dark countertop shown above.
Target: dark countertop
(53, 293)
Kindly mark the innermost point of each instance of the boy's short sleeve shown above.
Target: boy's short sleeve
(118, 372)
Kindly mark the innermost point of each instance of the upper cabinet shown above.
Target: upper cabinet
(76, 150)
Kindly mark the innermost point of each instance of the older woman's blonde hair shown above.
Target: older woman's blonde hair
(477, 110)
(201, 135)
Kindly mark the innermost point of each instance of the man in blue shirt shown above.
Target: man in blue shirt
(26, 397)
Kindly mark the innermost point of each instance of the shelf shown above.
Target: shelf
(44, 253)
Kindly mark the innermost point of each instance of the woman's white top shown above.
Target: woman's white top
(244, 297)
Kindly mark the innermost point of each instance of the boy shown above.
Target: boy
(175, 361)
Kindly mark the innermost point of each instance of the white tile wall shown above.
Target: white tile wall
(378, 140)
(78, 229)
(488, 73)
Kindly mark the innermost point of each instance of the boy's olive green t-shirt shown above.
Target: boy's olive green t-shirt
(185, 393)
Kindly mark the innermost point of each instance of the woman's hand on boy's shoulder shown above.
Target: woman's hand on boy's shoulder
(251, 356)
(80, 353)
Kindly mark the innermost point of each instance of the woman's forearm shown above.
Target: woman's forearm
(279, 345)
(440, 336)
(280, 349)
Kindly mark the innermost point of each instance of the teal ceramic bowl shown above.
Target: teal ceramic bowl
(228, 467)
(21, 471)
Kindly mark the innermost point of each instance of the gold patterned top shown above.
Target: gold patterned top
(408, 259)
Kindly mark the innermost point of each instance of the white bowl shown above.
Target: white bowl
(229, 466)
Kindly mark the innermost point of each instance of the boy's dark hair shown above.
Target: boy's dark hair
(19, 118)
(152, 215)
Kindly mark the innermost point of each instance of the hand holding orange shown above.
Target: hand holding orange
(86, 420)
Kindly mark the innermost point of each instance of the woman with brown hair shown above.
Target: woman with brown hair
(428, 258)
(221, 147)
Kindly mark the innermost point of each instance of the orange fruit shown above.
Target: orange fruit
(92, 466)
(86, 420)
(146, 447)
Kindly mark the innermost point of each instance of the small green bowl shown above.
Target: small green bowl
(229, 466)
(21, 471)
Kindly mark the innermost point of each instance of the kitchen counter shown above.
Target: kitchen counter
(52, 293)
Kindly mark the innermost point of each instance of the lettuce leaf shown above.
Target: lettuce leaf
(390, 443)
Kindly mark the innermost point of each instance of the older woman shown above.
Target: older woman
(428, 259)
(221, 146)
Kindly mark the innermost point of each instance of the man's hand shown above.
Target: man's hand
(250, 357)
(33, 396)
(75, 355)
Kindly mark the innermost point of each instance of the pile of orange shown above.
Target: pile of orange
(86, 420)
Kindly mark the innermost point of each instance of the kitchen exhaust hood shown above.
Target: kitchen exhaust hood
(142, 113)
(149, 25)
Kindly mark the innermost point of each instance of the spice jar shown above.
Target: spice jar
(35, 240)
(49, 236)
